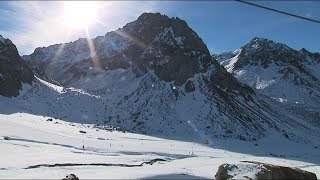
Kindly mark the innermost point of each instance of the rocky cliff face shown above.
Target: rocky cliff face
(13, 70)
(155, 42)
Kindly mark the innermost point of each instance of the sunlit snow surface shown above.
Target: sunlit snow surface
(28, 139)
(33, 141)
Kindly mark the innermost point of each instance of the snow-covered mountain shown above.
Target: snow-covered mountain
(13, 70)
(281, 73)
(167, 46)
(153, 76)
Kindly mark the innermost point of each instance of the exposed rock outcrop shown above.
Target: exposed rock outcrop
(71, 177)
(258, 170)
(13, 70)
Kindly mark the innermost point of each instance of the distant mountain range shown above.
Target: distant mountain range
(279, 72)
(156, 76)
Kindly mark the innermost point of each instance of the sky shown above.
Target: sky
(222, 25)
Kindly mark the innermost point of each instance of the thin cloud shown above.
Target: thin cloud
(37, 24)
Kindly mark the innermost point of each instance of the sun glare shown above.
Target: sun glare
(80, 14)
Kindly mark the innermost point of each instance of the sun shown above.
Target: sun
(80, 14)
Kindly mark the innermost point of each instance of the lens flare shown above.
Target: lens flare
(80, 14)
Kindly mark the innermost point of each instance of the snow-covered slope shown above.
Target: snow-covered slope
(33, 147)
(280, 73)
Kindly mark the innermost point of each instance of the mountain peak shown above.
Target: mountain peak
(261, 51)
(152, 42)
(152, 16)
(1, 40)
(304, 51)
(263, 43)
(2, 43)
(260, 39)
(149, 25)
(13, 71)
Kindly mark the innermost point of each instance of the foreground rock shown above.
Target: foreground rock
(258, 170)
(71, 177)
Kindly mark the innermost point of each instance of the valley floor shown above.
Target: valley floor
(32, 147)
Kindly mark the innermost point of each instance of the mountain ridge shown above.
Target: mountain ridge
(137, 54)
(162, 83)
(287, 76)
(13, 70)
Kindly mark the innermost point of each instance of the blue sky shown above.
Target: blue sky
(223, 25)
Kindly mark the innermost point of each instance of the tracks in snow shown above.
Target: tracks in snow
(151, 162)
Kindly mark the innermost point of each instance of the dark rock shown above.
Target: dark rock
(242, 138)
(228, 84)
(222, 173)
(264, 171)
(189, 86)
(83, 132)
(6, 138)
(280, 172)
(71, 177)
(135, 115)
(49, 119)
(13, 71)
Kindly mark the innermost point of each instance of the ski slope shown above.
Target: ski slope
(28, 143)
